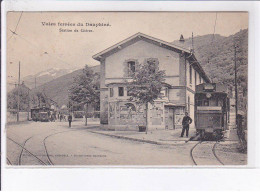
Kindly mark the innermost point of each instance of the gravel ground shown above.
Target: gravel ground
(79, 146)
(229, 154)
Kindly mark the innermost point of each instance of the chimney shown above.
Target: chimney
(182, 39)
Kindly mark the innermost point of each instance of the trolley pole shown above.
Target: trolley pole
(18, 92)
(236, 82)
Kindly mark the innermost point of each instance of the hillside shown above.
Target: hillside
(57, 89)
(44, 76)
(216, 56)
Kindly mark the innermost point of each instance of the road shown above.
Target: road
(54, 143)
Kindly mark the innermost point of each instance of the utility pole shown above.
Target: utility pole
(235, 59)
(192, 46)
(18, 92)
(35, 82)
(28, 115)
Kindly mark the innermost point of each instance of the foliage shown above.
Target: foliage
(146, 84)
(85, 88)
(12, 98)
(216, 55)
(58, 89)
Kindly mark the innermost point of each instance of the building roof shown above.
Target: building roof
(140, 36)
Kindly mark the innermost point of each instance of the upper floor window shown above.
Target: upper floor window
(120, 91)
(131, 67)
(111, 92)
(200, 79)
(153, 64)
(190, 74)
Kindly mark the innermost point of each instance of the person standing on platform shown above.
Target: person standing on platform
(186, 121)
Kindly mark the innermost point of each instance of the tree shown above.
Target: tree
(85, 89)
(146, 85)
(24, 98)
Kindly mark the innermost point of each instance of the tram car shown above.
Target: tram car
(211, 110)
(41, 114)
(44, 116)
(35, 114)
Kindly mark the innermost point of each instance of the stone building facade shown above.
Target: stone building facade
(182, 71)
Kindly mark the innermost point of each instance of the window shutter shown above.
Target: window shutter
(126, 69)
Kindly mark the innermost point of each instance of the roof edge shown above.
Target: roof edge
(97, 56)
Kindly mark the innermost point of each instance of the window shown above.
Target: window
(190, 74)
(206, 102)
(131, 68)
(200, 79)
(153, 64)
(120, 91)
(199, 102)
(111, 92)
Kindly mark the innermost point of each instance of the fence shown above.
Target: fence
(12, 116)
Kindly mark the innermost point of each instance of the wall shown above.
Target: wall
(123, 117)
(141, 50)
(192, 107)
(103, 95)
(23, 116)
(177, 96)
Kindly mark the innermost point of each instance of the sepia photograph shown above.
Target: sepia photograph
(126, 89)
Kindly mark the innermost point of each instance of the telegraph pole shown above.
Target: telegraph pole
(235, 59)
(18, 97)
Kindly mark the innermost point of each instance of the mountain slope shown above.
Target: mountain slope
(216, 56)
(57, 89)
(45, 76)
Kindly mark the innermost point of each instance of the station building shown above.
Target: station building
(118, 62)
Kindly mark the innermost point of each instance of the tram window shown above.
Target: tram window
(199, 102)
(206, 103)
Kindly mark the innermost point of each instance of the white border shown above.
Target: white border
(115, 178)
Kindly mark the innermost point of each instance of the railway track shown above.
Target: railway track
(49, 161)
(21, 153)
(8, 161)
(197, 158)
(45, 147)
(23, 148)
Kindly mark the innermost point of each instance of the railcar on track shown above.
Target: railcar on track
(41, 114)
(211, 110)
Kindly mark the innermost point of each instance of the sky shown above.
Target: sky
(40, 47)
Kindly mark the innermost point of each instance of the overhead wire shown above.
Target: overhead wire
(29, 42)
(214, 30)
(214, 27)
(41, 50)
(34, 45)
(14, 32)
